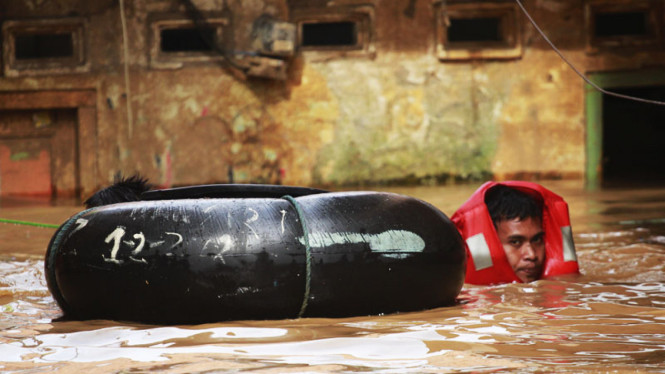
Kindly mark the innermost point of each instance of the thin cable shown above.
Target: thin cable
(130, 124)
(308, 253)
(528, 16)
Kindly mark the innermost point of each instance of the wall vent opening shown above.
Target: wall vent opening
(187, 39)
(329, 34)
(43, 46)
(478, 31)
(483, 29)
(611, 24)
(176, 40)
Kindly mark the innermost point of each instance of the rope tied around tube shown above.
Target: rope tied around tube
(308, 253)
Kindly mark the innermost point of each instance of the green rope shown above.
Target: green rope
(308, 253)
(27, 223)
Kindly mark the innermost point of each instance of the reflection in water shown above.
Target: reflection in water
(612, 316)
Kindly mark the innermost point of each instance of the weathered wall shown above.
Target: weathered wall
(398, 113)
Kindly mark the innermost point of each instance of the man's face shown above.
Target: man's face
(524, 244)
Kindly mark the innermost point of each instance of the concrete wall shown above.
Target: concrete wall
(394, 113)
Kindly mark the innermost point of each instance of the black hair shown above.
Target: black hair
(122, 190)
(506, 203)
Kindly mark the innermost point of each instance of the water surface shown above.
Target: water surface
(611, 318)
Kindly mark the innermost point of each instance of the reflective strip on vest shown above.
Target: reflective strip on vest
(568, 244)
(480, 251)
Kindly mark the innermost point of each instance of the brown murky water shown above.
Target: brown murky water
(610, 319)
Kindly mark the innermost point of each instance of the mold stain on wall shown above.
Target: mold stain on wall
(410, 119)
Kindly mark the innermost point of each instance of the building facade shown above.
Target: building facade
(325, 92)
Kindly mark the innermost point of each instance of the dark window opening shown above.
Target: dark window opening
(633, 137)
(329, 34)
(43, 46)
(187, 39)
(485, 29)
(609, 24)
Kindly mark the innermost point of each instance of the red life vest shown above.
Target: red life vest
(486, 259)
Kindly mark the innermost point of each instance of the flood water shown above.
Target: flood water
(609, 319)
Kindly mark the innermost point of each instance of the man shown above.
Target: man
(515, 232)
(122, 190)
(518, 220)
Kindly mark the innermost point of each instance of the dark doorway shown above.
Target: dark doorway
(634, 137)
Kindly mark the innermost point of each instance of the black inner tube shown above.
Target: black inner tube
(229, 191)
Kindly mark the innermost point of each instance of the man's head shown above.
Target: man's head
(122, 190)
(517, 217)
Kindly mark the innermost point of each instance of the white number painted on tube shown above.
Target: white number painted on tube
(176, 235)
(80, 223)
(253, 218)
(116, 236)
(139, 247)
(283, 216)
(228, 243)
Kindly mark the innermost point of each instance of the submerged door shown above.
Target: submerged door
(38, 153)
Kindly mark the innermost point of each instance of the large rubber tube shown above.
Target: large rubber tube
(214, 259)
